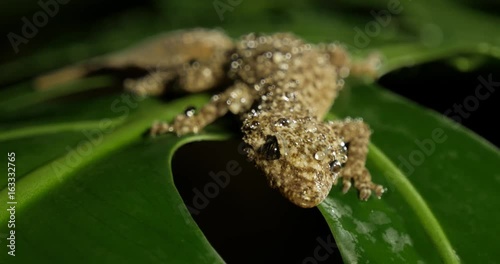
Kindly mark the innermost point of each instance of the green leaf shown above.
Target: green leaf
(117, 202)
(78, 203)
(457, 178)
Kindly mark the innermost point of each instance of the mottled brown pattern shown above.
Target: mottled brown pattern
(282, 89)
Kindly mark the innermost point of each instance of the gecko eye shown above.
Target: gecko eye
(270, 149)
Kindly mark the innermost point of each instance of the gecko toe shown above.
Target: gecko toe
(364, 194)
(346, 185)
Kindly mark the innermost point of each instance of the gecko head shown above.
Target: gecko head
(300, 156)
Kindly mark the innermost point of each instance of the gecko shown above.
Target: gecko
(280, 87)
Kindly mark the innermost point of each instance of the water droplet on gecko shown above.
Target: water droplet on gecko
(254, 125)
(278, 57)
(206, 72)
(311, 128)
(190, 110)
(343, 158)
(289, 96)
(321, 60)
(257, 87)
(320, 155)
(283, 66)
(215, 98)
(235, 64)
(282, 122)
(335, 166)
(343, 147)
(251, 44)
(248, 150)
(340, 83)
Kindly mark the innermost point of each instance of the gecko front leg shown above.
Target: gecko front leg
(236, 99)
(357, 134)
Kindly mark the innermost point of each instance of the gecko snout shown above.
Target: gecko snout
(306, 194)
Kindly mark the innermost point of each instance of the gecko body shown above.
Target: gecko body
(280, 87)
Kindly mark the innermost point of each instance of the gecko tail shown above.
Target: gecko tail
(61, 76)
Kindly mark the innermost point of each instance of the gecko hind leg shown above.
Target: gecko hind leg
(152, 84)
(357, 134)
(369, 66)
(192, 77)
(340, 58)
(236, 99)
(197, 57)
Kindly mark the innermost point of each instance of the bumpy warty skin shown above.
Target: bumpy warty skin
(278, 85)
(294, 85)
